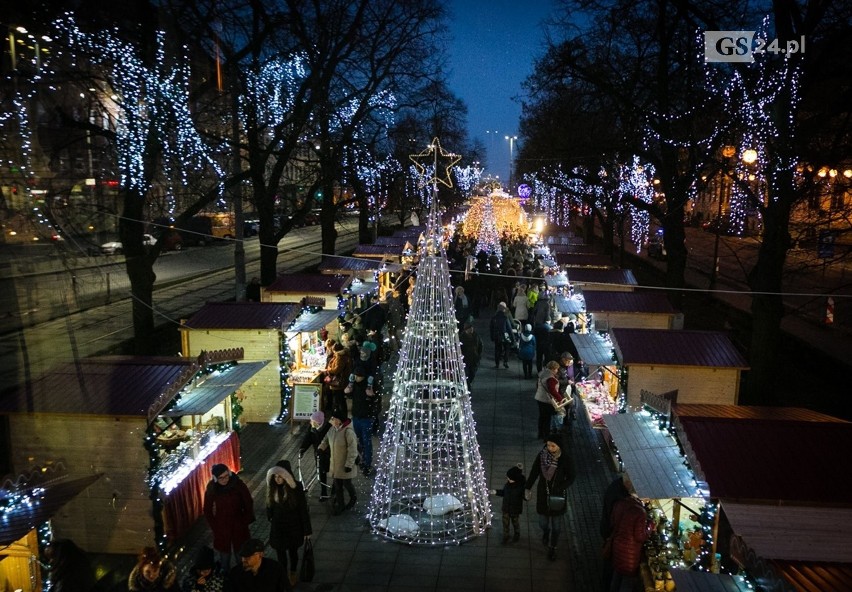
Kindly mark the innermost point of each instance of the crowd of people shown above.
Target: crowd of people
(525, 324)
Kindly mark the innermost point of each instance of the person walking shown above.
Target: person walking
(520, 303)
(343, 444)
(501, 335)
(542, 335)
(630, 530)
(229, 509)
(513, 502)
(360, 388)
(471, 349)
(314, 437)
(526, 350)
(554, 470)
(547, 390)
(615, 491)
(152, 573)
(202, 576)
(287, 512)
(462, 306)
(257, 573)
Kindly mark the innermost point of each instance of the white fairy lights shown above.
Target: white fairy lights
(429, 450)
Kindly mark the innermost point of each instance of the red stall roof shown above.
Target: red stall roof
(310, 283)
(641, 302)
(244, 315)
(619, 277)
(666, 347)
(794, 462)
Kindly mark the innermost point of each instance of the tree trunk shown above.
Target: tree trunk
(140, 271)
(767, 306)
(267, 236)
(327, 218)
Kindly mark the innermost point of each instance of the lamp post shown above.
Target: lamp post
(728, 153)
(511, 157)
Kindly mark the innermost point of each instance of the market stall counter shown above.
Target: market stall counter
(599, 391)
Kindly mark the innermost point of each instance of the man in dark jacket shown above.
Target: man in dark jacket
(257, 573)
(501, 335)
(471, 348)
(229, 509)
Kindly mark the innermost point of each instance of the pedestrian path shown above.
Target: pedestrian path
(349, 557)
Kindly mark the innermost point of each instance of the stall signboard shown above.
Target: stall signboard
(306, 400)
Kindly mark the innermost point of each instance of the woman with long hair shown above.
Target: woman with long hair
(287, 511)
(152, 573)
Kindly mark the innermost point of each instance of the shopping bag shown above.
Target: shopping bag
(306, 574)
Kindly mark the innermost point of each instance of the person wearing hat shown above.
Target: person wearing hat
(229, 509)
(343, 444)
(202, 577)
(257, 573)
(361, 391)
(513, 502)
(554, 470)
(287, 512)
(314, 437)
(471, 349)
(526, 350)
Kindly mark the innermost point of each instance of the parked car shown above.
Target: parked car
(656, 246)
(116, 248)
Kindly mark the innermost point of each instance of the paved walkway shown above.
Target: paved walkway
(349, 557)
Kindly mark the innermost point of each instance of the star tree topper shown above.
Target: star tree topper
(429, 157)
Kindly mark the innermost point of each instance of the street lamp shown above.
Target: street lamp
(511, 157)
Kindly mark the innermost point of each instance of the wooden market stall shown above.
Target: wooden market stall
(400, 252)
(599, 391)
(681, 551)
(305, 339)
(613, 280)
(385, 273)
(258, 328)
(27, 507)
(293, 287)
(645, 310)
(780, 477)
(152, 426)
(703, 366)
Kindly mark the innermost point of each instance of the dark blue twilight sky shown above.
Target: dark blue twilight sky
(492, 51)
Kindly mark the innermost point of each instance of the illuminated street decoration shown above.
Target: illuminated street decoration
(430, 485)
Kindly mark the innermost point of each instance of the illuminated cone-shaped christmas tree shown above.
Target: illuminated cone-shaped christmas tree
(430, 482)
(488, 239)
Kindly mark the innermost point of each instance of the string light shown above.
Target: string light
(430, 485)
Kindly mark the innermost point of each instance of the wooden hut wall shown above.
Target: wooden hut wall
(715, 386)
(633, 320)
(262, 401)
(604, 287)
(330, 299)
(113, 515)
(19, 569)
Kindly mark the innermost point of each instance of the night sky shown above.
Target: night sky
(492, 52)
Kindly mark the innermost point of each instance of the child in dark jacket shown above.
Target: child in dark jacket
(513, 502)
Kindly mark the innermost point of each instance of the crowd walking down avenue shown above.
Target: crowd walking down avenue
(349, 557)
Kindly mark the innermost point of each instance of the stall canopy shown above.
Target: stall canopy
(206, 395)
(46, 499)
(360, 288)
(313, 321)
(702, 581)
(113, 385)
(570, 304)
(621, 278)
(310, 283)
(651, 457)
(593, 349)
(556, 281)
